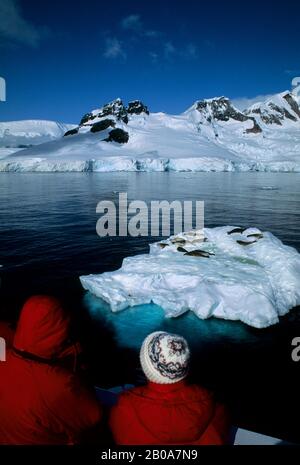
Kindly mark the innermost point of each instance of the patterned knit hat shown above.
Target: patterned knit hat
(165, 357)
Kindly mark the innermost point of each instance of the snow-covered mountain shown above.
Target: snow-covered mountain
(279, 110)
(210, 116)
(21, 134)
(212, 135)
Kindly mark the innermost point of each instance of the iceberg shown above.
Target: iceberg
(223, 272)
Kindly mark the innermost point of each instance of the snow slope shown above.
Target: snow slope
(212, 135)
(232, 274)
(30, 132)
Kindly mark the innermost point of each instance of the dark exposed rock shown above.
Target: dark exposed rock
(137, 107)
(102, 125)
(87, 117)
(256, 111)
(271, 119)
(268, 118)
(118, 135)
(114, 108)
(272, 113)
(292, 103)
(71, 132)
(221, 109)
(256, 129)
(288, 115)
(117, 110)
(283, 113)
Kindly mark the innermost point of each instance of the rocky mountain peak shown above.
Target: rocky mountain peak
(136, 107)
(221, 109)
(117, 110)
(108, 117)
(278, 109)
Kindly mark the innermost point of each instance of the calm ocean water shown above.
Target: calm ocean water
(48, 239)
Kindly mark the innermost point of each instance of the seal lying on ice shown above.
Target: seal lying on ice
(247, 235)
(256, 235)
(162, 245)
(256, 285)
(181, 249)
(178, 240)
(199, 253)
(245, 242)
(236, 231)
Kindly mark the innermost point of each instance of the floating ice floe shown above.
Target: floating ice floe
(226, 272)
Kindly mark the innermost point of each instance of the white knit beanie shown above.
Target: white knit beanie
(165, 357)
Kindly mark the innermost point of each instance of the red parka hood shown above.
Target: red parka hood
(43, 327)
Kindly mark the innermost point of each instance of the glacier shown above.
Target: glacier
(223, 272)
(116, 164)
(15, 135)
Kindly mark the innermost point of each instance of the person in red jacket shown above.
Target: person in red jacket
(42, 401)
(168, 410)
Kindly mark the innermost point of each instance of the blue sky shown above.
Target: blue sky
(62, 58)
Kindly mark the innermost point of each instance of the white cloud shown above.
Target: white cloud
(15, 28)
(209, 44)
(154, 57)
(165, 49)
(292, 72)
(114, 48)
(245, 102)
(135, 24)
(169, 50)
(190, 52)
(152, 33)
(132, 22)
